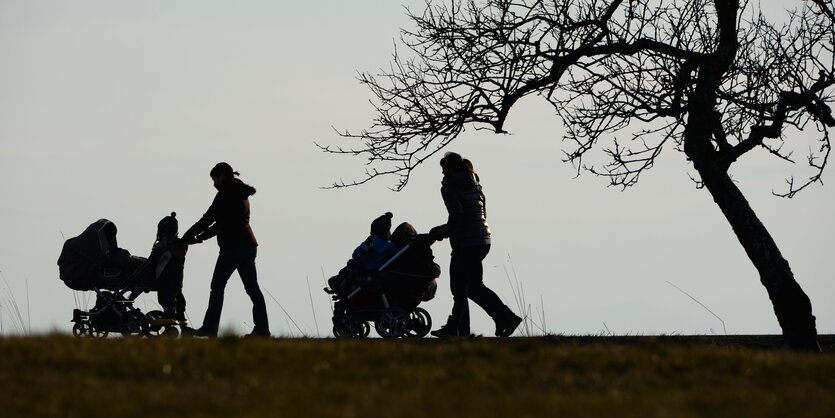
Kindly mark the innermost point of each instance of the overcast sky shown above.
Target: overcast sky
(119, 109)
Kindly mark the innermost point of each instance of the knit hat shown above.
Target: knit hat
(381, 227)
(168, 225)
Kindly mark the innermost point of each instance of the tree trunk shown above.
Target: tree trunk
(791, 305)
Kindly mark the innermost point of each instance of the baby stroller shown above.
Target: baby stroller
(388, 296)
(93, 261)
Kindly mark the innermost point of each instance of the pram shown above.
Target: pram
(388, 296)
(93, 261)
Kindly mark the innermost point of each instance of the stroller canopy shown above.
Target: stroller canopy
(81, 255)
(96, 241)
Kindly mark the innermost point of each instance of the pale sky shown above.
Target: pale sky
(119, 109)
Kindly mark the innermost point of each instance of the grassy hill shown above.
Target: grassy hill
(485, 377)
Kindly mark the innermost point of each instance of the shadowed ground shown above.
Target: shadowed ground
(550, 376)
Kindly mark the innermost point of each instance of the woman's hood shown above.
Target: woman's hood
(236, 186)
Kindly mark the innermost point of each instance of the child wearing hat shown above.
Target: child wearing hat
(377, 248)
(169, 270)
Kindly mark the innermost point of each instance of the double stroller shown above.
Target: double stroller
(93, 261)
(387, 296)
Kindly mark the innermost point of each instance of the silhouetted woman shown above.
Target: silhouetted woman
(228, 218)
(469, 236)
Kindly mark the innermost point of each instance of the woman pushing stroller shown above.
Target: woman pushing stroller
(228, 219)
(469, 236)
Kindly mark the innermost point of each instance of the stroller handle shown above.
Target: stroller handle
(429, 238)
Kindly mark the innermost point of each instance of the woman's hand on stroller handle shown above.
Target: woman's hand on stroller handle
(203, 236)
(423, 240)
(190, 240)
(438, 233)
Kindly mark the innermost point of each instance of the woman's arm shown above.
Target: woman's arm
(205, 226)
(453, 206)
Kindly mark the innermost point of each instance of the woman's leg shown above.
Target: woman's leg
(478, 292)
(249, 276)
(227, 262)
(459, 319)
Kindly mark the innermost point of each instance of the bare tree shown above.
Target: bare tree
(712, 78)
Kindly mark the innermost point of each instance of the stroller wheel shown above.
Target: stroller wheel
(170, 332)
(420, 323)
(393, 323)
(363, 331)
(87, 329)
(351, 328)
(80, 329)
(97, 333)
(136, 324)
(154, 329)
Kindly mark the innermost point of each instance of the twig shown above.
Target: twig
(325, 281)
(512, 288)
(28, 314)
(16, 315)
(522, 300)
(290, 328)
(516, 298)
(310, 295)
(287, 315)
(525, 309)
(702, 305)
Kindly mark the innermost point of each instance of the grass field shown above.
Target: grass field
(519, 377)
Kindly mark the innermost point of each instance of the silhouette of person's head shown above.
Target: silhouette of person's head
(222, 172)
(168, 226)
(403, 234)
(452, 163)
(381, 227)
